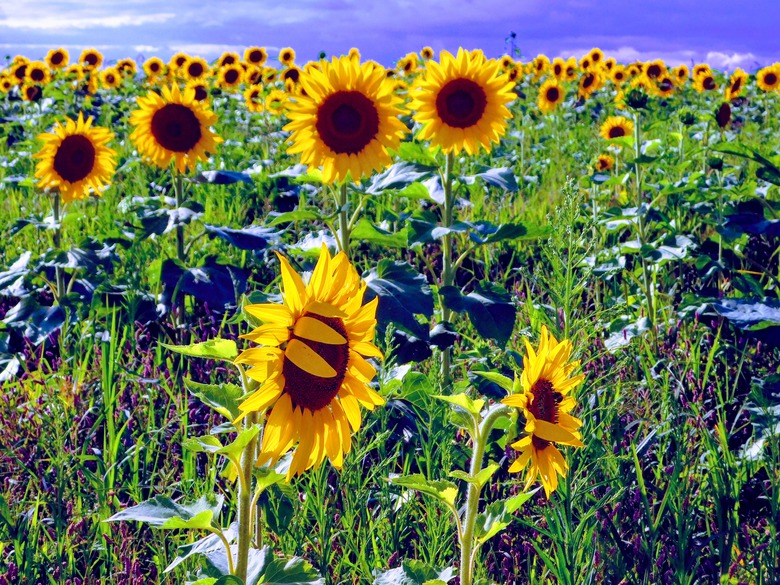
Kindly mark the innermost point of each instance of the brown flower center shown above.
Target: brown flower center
(256, 56)
(201, 93)
(617, 132)
(654, 71)
(292, 74)
(313, 392)
(91, 59)
(176, 127)
(37, 75)
(347, 121)
(20, 72)
(461, 103)
(57, 58)
(552, 94)
(770, 78)
(195, 69)
(709, 83)
(588, 80)
(154, 66)
(286, 56)
(75, 158)
(544, 406)
(231, 76)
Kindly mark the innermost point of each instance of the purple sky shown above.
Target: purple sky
(725, 33)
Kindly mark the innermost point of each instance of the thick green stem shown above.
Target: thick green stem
(60, 278)
(343, 239)
(468, 548)
(646, 280)
(245, 502)
(178, 189)
(447, 271)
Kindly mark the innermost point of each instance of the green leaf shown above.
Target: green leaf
(417, 389)
(487, 233)
(399, 176)
(224, 398)
(413, 572)
(503, 178)
(481, 478)
(368, 232)
(504, 382)
(267, 569)
(203, 546)
(671, 248)
(297, 215)
(489, 308)
(205, 444)
(417, 152)
(473, 407)
(443, 490)
(162, 512)
(214, 349)
(242, 440)
(498, 515)
(403, 293)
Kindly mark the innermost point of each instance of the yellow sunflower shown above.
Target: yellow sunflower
(312, 368)
(540, 64)
(596, 56)
(176, 62)
(550, 95)
(354, 53)
(91, 59)
(287, 56)
(705, 82)
(75, 159)
(110, 78)
(589, 83)
(558, 69)
(408, 64)
(461, 102)
(506, 62)
(276, 101)
(228, 58)
(292, 73)
(127, 67)
(57, 58)
(195, 68)
(701, 69)
(736, 84)
(254, 99)
(768, 78)
(663, 86)
(31, 93)
(545, 404)
(655, 69)
(618, 75)
(37, 73)
(571, 69)
(269, 74)
(426, 53)
(616, 127)
(154, 67)
(19, 72)
(74, 72)
(5, 83)
(346, 121)
(609, 64)
(680, 75)
(256, 56)
(174, 127)
(230, 76)
(605, 162)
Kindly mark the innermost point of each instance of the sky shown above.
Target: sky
(724, 33)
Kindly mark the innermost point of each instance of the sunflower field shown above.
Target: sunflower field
(464, 321)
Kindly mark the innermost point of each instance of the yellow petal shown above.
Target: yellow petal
(270, 313)
(308, 360)
(292, 286)
(554, 433)
(352, 410)
(316, 330)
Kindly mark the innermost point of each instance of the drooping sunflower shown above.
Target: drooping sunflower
(605, 162)
(254, 98)
(551, 93)
(230, 76)
(110, 78)
(256, 56)
(31, 93)
(74, 72)
(546, 382)
(276, 101)
(253, 76)
(75, 159)
(768, 78)
(57, 58)
(127, 67)
(462, 102)
(705, 82)
(312, 368)
(91, 59)
(174, 127)
(680, 75)
(426, 53)
(616, 127)
(346, 121)
(195, 68)
(408, 64)
(590, 82)
(701, 69)
(736, 84)
(154, 67)
(269, 74)
(37, 73)
(287, 56)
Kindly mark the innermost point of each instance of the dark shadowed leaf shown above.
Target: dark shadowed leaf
(398, 176)
(365, 231)
(223, 177)
(503, 178)
(254, 237)
(403, 293)
(162, 512)
(489, 307)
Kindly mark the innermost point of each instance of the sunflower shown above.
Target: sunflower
(254, 99)
(230, 76)
(550, 95)
(768, 78)
(609, 64)
(540, 65)
(228, 58)
(680, 75)
(276, 101)
(736, 84)
(705, 82)
(408, 64)
(506, 62)
(354, 53)
(655, 69)
(426, 53)
(57, 58)
(269, 74)
(5, 83)
(585, 63)
(91, 58)
(110, 78)
(195, 68)
(618, 75)
(545, 404)
(293, 73)
(75, 159)
(346, 121)
(616, 127)
(37, 73)
(256, 56)
(663, 86)
(154, 67)
(634, 70)
(176, 62)
(312, 368)
(701, 69)
(589, 83)
(173, 127)
(74, 72)
(605, 162)
(31, 93)
(462, 102)
(19, 72)
(596, 56)
(558, 69)
(287, 56)
(253, 76)
(571, 69)
(127, 67)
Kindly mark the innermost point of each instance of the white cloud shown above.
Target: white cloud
(205, 49)
(145, 49)
(58, 22)
(726, 61)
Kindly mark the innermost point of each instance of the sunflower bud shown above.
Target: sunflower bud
(636, 99)
(687, 117)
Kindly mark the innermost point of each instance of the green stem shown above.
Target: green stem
(178, 189)
(447, 271)
(245, 502)
(468, 548)
(343, 239)
(60, 277)
(641, 225)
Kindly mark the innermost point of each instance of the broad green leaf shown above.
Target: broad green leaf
(505, 383)
(503, 178)
(368, 232)
(417, 389)
(242, 440)
(160, 510)
(267, 569)
(204, 444)
(442, 490)
(297, 215)
(489, 307)
(413, 572)
(481, 478)
(403, 293)
(224, 398)
(214, 349)
(498, 515)
(473, 407)
(203, 546)
(399, 176)
(201, 521)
